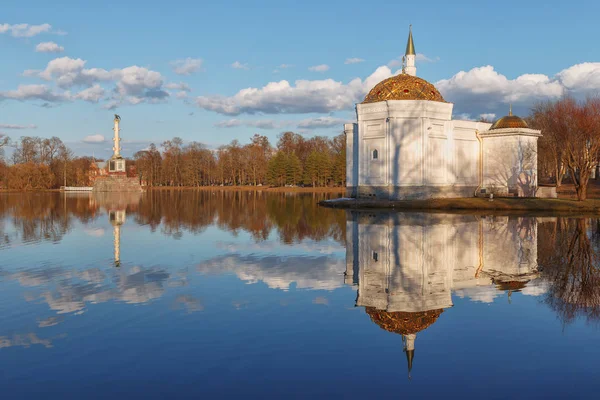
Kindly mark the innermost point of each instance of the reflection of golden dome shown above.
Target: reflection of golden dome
(403, 87)
(404, 323)
(511, 285)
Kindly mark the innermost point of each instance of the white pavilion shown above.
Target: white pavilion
(405, 145)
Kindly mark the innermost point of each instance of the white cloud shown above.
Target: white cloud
(395, 63)
(260, 124)
(94, 139)
(353, 60)
(49, 47)
(68, 72)
(239, 65)
(488, 116)
(181, 95)
(282, 66)
(319, 68)
(420, 57)
(13, 126)
(92, 94)
(321, 122)
(583, 78)
(482, 89)
(134, 84)
(35, 92)
(318, 96)
(24, 30)
(136, 80)
(186, 66)
(178, 86)
(111, 105)
(230, 123)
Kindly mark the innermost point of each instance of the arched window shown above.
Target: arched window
(375, 154)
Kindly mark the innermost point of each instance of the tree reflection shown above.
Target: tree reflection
(293, 217)
(570, 259)
(42, 216)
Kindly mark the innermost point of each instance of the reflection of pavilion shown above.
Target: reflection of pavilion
(406, 265)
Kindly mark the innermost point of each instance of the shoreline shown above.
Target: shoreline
(333, 190)
(517, 205)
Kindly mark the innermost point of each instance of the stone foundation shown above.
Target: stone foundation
(117, 183)
(414, 192)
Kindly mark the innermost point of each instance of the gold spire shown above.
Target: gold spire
(410, 46)
(510, 109)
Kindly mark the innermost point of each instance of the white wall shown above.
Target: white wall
(510, 161)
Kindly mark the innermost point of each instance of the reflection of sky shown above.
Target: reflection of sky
(489, 293)
(180, 317)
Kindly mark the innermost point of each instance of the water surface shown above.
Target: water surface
(186, 294)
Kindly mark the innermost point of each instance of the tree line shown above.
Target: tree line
(39, 163)
(295, 160)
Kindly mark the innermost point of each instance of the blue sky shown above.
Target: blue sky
(134, 58)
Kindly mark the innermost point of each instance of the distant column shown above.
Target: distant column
(117, 139)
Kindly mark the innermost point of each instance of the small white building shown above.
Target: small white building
(405, 145)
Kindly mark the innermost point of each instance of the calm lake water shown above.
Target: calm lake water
(249, 295)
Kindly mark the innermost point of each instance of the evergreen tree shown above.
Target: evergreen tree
(293, 169)
(339, 169)
(277, 170)
(323, 168)
(311, 169)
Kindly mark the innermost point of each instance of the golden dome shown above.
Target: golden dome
(403, 87)
(404, 323)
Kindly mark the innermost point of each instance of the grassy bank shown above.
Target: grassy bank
(477, 204)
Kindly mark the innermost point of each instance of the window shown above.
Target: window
(375, 256)
(375, 154)
(112, 166)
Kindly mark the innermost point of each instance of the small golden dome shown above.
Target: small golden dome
(404, 323)
(510, 121)
(403, 87)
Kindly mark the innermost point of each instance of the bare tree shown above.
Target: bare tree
(551, 146)
(582, 125)
(571, 138)
(4, 141)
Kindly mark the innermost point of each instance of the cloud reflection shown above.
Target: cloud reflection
(315, 273)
